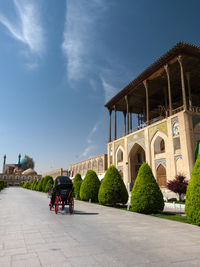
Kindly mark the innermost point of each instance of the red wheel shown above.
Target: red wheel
(71, 205)
(56, 205)
(50, 206)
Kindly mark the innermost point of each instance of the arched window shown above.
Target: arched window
(94, 165)
(159, 145)
(89, 165)
(119, 156)
(162, 146)
(100, 165)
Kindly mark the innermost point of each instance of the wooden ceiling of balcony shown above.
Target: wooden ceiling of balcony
(156, 78)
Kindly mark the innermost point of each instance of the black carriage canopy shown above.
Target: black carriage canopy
(63, 182)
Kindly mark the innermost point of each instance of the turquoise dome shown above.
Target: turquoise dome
(23, 161)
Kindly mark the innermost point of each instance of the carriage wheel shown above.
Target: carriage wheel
(56, 205)
(71, 205)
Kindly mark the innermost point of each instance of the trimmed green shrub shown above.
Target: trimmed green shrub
(192, 203)
(48, 185)
(25, 185)
(77, 181)
(39, 186)
(31, 184)
(45, 181)
(90, 187)
(42, 182)
(35, 185)
(146, 196)
(112, 190)
(2, 184)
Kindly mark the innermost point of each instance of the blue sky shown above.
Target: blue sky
(61, 61)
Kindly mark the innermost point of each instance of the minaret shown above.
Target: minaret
(19, 158)
(4, 163)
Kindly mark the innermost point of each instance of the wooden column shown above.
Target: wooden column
(189, 90)
(147, 100)
(144, 114)
(124, 122)
(131, 126)
(115, 123)
(110, 112)
(127, 113)
(169, 89)
(165, 96)
(180, 60)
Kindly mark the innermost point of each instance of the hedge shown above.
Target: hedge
(46, 179)
(48, 185)
(77, 181)
(112, 189)
(90, 187)
(3, 184)
(146, 196)
(192, 203)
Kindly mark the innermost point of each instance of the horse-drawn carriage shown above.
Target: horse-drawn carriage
(61, 194)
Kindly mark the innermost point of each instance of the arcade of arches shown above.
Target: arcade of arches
(97, 164)
(161, 117)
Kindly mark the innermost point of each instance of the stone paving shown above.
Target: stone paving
(31, 235)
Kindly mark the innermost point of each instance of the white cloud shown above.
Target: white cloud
(109, 90)
(87, 151)
(94, 129)
(77, 37)
(27, 29)
(90, 142)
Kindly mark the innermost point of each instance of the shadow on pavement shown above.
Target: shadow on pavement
(77, 212)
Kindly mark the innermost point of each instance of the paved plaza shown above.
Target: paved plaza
(31, 235)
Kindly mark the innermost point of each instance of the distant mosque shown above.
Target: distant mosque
(21, 171)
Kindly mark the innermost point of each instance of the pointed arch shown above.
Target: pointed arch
(100, 165)
(158, 143)
(119, 154)
(135, 159)
(161, 176)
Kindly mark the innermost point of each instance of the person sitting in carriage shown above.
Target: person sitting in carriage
(62, 193)
(52, 192)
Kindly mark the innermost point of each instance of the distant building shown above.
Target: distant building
(165, 100)
(21, 171)
(97, 164)
(56, 173)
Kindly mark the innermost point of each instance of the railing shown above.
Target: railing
(154, 120)
(177, 110)
(195, 109)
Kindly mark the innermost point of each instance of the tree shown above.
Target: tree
(112, 189)
(77, 181)
(178, 185)
(39, 186)
(192, 203)
(46, 179)
(90, 187)
(146, 196)
(35, 185)
(30, 162)
(48, 185)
